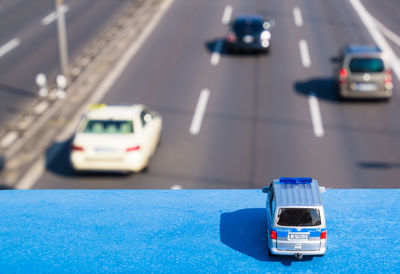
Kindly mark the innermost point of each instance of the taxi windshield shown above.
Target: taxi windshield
(108, 127)
(299, 217)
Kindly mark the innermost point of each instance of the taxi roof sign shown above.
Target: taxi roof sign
(97, 106)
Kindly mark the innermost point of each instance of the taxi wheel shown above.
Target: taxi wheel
(145, 169)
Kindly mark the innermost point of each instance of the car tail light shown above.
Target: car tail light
(388, 76)
(323, 235)
(76, 148)
(342, 76)
(135, 148)
(231, 37)
(273, 234)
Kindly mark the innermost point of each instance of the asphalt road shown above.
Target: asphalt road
(257, 125)
(28, 44)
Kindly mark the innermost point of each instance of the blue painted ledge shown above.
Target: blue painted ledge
(186, 231)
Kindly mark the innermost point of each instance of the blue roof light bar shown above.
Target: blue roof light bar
(299, 180)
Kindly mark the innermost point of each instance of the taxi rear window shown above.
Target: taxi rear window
(108, 127)
(299, 217)
(366, 65)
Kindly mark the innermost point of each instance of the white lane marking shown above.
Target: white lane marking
(53, 16)
(36, 171)
(216, 56)
(9, 46)
(8, 139)
(33, 174)
(199, 112)
(298, 19)
(41, 107)
(305, 56)
(176, 187)
(368, 21)
(389, 34)
(315, 115)
(226, 17)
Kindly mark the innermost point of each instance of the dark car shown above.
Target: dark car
(249, 33)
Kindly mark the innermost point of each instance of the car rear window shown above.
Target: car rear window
(366, 65)
(248, 26)
(299, 217)
(108, 127)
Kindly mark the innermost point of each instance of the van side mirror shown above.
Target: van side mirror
(322, 189)
(265, 189)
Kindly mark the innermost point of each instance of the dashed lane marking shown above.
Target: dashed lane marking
(316, 116)
(216, 56)
(298, 20)
(53, 16)
(41, 107)
(8, 139)
(199, 112)
(305, 56)
(9, 46)
(226, 17)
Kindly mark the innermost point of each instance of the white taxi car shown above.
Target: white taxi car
(115, 138)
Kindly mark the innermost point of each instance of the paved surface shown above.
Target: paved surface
(37, 51)
(257, 125)
(187, 231)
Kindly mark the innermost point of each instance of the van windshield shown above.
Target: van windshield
(298, 217)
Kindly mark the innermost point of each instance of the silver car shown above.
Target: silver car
(364, 73)
(295, 217)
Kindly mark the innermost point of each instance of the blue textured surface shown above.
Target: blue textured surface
(186, 231)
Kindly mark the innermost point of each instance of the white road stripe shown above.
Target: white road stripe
(199, 112)
(305, 56)
(369, 23)
(53, 16)
(298, 19)
(9, 46)
(216, 56)
(8, 139)
(315, 116)
(389, 34)
(41, 107)
(226, 17)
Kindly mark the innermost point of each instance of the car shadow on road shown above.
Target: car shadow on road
(323, 88)
(57, 162)
(219, 45)
(378, 165)
(17, 91)
(245, 231)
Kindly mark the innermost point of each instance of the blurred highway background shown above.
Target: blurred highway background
(267, 116)
(28, 43)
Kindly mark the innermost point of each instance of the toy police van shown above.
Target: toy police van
(295, 217)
